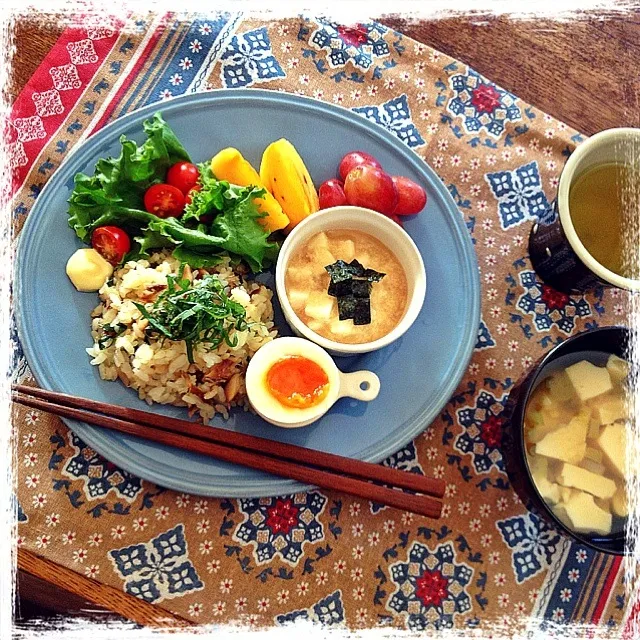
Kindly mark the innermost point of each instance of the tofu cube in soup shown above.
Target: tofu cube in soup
(550, 491)
(586, 516)
(345, 250)
(567, 443)
(319, 305)
(321, 258)
(566, 493)
(339, 327)
(618, 369)
(560, 389)
(540, 430)
(610, 409)
(315, 325)
(619, 503)
(613, 442)
(588, 380)
(298, 298)
(561, 513)
(297, 278)
(317, 242)
(579, 478)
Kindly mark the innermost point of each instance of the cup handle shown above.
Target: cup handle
(361, 385)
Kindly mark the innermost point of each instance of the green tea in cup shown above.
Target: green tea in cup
(595, 238)
(601, 209)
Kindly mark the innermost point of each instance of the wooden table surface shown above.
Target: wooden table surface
(584, 72)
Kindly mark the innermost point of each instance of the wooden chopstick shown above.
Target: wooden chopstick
(310, 457)
(420, 504)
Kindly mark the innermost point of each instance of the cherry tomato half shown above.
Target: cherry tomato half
(183, 176)
(164, 200)
(112, 243)
(189, 196)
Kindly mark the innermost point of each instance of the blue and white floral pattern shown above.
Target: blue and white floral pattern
(406, 459)
(481, 104)
(159, 569)
(249, 60)
(430, 587)
(21, 516)
(532, 542)
(358, 45)
(549, 307)
(18, 368)
(192, 57)
(485, 341)
(328, 611)
(395, 116)
(482, 432)
(99, 476)
(281, 526)
(520, 196)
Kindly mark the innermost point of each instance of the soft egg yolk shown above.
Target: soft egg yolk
(296, 381)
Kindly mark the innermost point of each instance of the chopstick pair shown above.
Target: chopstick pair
(325, 470)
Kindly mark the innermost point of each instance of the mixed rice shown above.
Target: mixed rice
(158, 368)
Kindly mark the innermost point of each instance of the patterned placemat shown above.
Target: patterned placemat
(323, 556)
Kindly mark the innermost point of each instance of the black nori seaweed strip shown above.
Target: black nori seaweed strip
(344, 288)
(339, 271)
(360, 288)
(373, 276)
(346, 307)
(362, 312)
(339, 289)
(357, 268)
(351, 284)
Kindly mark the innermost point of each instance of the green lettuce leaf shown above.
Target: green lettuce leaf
(114, 195)
(121, 182)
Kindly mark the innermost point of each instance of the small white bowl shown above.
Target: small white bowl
(361, 385)
(386, 231)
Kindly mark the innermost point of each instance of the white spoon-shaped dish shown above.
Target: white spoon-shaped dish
(361, 385)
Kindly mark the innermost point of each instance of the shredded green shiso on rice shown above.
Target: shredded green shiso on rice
(198, 312)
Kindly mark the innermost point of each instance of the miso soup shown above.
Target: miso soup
(363, 299)
(575, 434)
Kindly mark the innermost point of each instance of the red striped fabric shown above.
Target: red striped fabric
(115, 99)
(53, 91)
(632, 626)
(606, 589)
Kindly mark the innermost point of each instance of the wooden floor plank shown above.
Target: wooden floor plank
(578, 71)
(103, 595)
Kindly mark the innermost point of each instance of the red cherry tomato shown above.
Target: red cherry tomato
(183, 176)
(331, 194)
(189, 196)
(164, 200)
(112, 243)
(370, 187)
(356, 159)
(395, 218)
(411, 196)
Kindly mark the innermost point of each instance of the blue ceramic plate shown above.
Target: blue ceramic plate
(419, 372)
